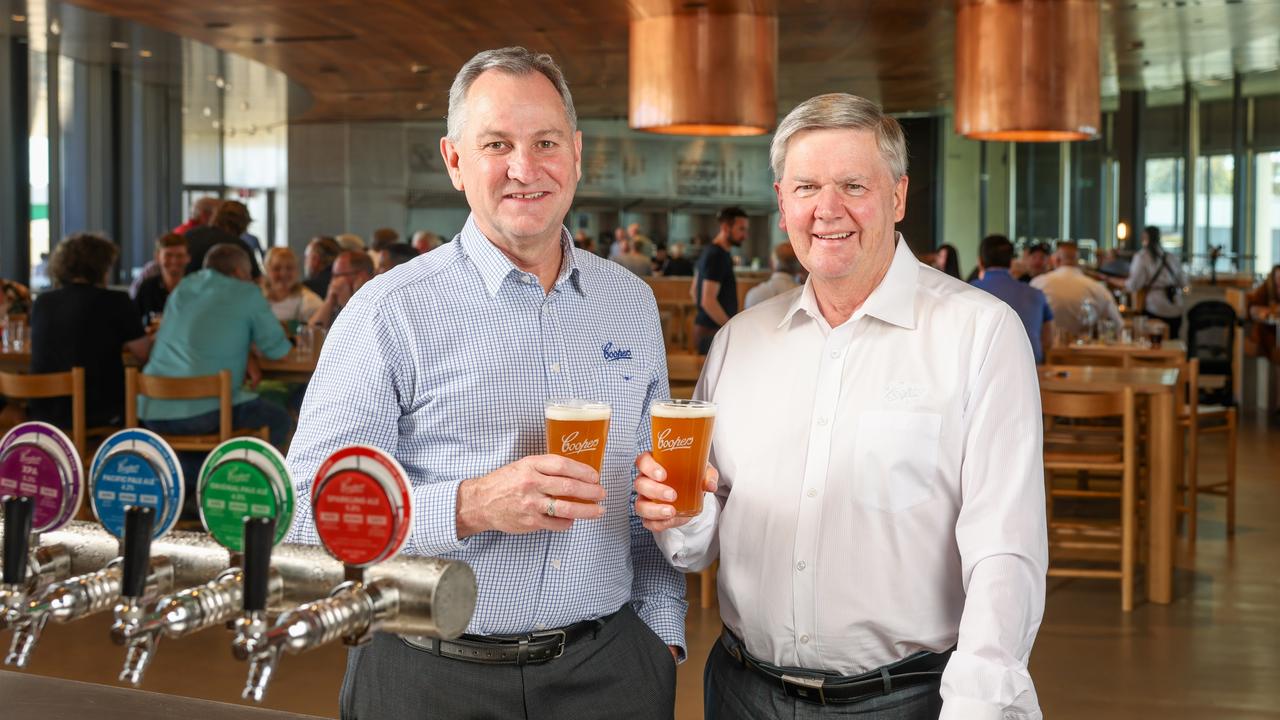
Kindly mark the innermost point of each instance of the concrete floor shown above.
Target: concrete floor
(1213, 653)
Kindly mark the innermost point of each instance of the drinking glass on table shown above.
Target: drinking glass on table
(306, 341)
(15, 334)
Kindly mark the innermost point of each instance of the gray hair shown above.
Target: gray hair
(226, 258)
(510, 60)
(841, 111)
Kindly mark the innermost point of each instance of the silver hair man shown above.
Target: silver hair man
(512, 60)
(837, 111)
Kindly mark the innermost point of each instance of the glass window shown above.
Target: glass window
(1214, 177)
(1038, 192)
(1266, 236)
(1164, 200)
(38, 167)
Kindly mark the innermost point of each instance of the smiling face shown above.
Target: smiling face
(839, 202)
(173, 261)
(516, 158)
(282, 273)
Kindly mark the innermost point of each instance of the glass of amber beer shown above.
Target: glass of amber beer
(578, 429)
(681, 444)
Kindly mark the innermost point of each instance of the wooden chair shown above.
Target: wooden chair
(186, 388)
(1089, 535)
(53, 385)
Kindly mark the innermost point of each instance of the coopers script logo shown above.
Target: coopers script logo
(570, 446)
(125, 468)
(666, 442)
(610, 354)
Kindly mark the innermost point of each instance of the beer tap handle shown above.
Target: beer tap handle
(17, 535)
(137, 551)
(258, 535)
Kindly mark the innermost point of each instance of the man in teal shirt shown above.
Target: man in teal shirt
(211, 320)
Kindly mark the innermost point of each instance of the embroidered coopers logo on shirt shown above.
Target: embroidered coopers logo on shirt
(611, 353)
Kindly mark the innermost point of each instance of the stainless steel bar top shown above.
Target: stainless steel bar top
(33, 697)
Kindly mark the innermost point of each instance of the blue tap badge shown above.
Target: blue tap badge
(137, 468)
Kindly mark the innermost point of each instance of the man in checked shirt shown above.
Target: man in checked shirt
(445, 362)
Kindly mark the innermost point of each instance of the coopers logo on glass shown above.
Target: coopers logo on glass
(666, 442)
(570, 446)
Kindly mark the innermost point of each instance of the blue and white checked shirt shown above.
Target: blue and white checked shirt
(445, 362)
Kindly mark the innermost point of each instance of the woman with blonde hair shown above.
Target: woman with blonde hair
(292, 302)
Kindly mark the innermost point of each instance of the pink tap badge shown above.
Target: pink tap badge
(38, 461)
(360, 502)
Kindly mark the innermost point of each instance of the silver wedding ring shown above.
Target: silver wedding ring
(551, 507)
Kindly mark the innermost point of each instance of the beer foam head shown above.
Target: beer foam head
(670, 409)
(576, 410)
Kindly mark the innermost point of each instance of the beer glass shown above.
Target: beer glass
(681, 444)
(578, 430)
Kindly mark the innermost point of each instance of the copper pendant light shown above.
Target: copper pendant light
(1027, 70)
(704, 72)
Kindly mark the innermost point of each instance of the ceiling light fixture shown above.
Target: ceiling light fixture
(1027, 70)
(704, 72)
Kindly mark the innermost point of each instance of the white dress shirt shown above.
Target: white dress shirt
(1067, 289)
(777, 284)
(881, 486)
(1155, 275)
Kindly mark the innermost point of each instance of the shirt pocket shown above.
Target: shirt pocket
(895, 459)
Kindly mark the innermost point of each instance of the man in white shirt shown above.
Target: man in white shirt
(878, 441)
(785, 269)
(1071, 293)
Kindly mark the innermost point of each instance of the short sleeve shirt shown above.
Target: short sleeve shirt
(716, 264)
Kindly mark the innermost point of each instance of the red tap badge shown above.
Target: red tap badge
(360, 501)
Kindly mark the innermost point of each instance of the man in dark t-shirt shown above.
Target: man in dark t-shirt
(172, 257)
(715, 290)
(229, 225)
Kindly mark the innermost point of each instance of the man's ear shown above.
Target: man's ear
(451, 159)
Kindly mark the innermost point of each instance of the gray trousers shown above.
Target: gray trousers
(732, 692)
(626, 671)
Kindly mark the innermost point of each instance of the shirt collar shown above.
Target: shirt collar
(893, 300)
(997, 271)
(495, 267)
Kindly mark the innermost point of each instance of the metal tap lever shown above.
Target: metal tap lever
(251, 627)
(213, 603)
(353, 612)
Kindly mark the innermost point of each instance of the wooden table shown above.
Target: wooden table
(292, 368)
(1164, 452)
(15, 360)
(1171, 350)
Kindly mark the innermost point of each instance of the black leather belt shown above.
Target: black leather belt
(823, 688)
(537, 647)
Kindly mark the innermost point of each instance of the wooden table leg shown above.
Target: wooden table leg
(1162, 449)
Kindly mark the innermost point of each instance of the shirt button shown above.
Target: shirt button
(804, 639)
(539, 626)
(555, 563)
(528, 279)
(555, 367)
(835, 353)
(822, 422)
(800, 565)
(812, 492)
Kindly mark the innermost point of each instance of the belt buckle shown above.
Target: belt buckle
(804, 688)
(564, 639)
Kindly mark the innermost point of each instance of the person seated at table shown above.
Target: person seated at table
(172, 258)
(318, 259)
(80, 323)
(210, 322)
(424, 241)
(1263, 304)
(291, 302)
(229, 224)
(677, 265)
(995, 256)
(393, 255)
(351, 271)
(786, 271)
(1070, 291)
(1033, 263)
(1158, 277)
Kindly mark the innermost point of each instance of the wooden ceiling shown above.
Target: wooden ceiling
(395, 59)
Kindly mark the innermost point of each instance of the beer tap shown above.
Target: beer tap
(41, 479)
(360, 501)
(240, 474)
